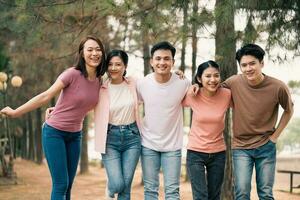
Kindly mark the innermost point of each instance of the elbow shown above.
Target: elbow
(45, 98)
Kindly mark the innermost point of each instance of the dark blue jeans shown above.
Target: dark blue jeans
(206, 172)
(123, 149)
(62, 151)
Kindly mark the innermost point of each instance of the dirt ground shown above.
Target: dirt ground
(34, 183)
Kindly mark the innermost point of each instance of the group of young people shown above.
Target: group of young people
(122, 136)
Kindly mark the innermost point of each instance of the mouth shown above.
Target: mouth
(213, 85)
(95, 59)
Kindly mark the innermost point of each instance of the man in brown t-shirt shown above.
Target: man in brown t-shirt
(256, 99)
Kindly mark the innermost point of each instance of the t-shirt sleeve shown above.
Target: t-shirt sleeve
(227, 83)
(138, 89)
(67, 76)
(186, 102)
(284, 97)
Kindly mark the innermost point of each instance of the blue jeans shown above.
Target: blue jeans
(123, 149)
(170, 162)
(264, 159)
(206, 172)
(62, 151)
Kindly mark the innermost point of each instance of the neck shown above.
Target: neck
(257, 81)
(116, 81)
(162, 78)
(91, 71)
(208, 93)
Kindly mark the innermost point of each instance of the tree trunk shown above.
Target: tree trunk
(24, 151)
(194, 37)
(146, 52)
(225, 56)
(194, 51)
(184, 33)
(84, 157)
(38, 136)
(31, 151)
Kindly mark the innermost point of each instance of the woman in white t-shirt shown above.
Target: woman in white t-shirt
(117, 134)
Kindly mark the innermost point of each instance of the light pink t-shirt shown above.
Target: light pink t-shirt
(78, 97)
(208, 121)
(162, 127)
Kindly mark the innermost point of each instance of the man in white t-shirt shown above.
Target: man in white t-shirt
(162, 131)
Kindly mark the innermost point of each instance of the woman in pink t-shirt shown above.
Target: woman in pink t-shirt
(206, 147)
(79, 91)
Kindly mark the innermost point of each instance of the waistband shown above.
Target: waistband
(132, 125)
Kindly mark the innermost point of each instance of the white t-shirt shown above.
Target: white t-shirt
(162, 127)
(121, 104)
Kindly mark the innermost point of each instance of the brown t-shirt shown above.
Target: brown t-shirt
(255, 109)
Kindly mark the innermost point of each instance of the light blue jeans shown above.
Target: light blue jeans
(123, 149)
(170, 162)
(264, 160)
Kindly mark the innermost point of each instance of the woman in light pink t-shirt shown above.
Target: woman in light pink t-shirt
(206, 147)
(79, 90)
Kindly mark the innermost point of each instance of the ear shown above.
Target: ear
(262, 64)
(151, 62)
(199, 79)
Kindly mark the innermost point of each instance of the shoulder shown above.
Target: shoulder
(275, 81)
(71, 72)
(225, 91)
(184, 81)
(130, 80)
(234, 78)
(147, 78)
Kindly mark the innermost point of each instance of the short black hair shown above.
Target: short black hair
(202, 67)
(252, 50)
(119, 53)
(165, 45)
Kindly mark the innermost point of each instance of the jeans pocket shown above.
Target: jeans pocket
(135, 130)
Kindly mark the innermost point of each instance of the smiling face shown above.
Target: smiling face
(210, 80)
(251, 68)
(116, 69)
(162, 62)
(92, 54)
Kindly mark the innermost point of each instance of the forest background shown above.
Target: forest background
(39, 39)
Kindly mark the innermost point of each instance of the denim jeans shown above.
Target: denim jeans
(206, 172)
(264, 160)
(123, 149)
(170, 162)
(62, 151)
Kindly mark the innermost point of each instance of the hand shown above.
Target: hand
(193, 90)
(180, 74)
(274, 140)
(8, 111)
(48, 112)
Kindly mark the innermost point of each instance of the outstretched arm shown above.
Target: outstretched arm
(35, 102)
(285, 118)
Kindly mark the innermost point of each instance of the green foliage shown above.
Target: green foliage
(290, 135)
(280, 19)
(294, 85)
(3, 60)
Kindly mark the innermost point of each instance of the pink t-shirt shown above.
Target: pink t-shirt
(78, 97)
(208, 121)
